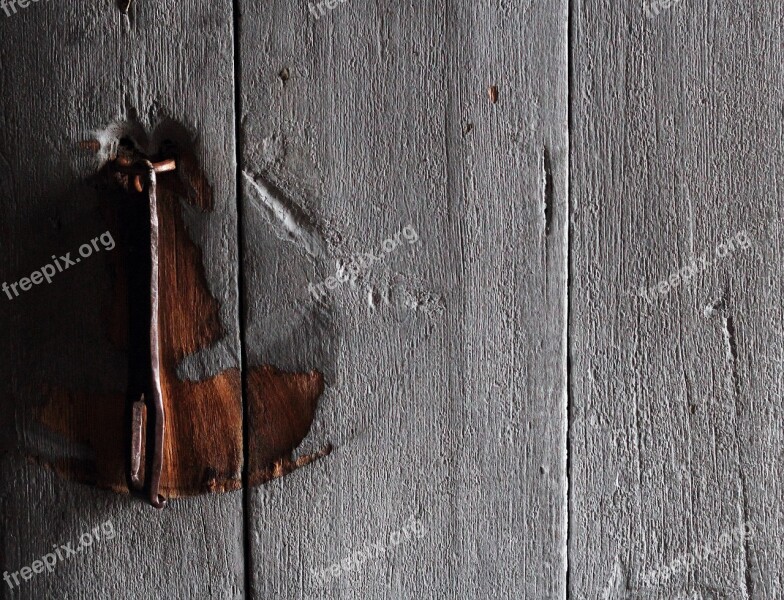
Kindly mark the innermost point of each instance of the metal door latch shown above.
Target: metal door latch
(147, 415)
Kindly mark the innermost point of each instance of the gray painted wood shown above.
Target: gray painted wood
(68, 70)
(676, 402)
(445, 362)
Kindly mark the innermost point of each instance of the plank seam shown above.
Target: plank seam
(570, 24)
(246, 488)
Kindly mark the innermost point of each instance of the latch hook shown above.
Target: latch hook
(148, 411)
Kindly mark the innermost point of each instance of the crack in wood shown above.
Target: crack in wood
(547, 190)
(731, 350)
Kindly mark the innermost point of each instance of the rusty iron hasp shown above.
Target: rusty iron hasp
(148, 410)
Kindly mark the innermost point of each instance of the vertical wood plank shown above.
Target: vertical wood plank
(69, 71)
(445, 361)
(675, 424)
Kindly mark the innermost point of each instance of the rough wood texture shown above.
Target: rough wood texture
(70, 72)
(676, 433)
(445, 361)
(408, 229)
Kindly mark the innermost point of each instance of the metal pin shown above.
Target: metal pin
(165, 166)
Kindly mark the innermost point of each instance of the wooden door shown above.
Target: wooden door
(531, 247)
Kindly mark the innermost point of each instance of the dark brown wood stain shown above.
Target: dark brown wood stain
(281, 407)
(203, 447)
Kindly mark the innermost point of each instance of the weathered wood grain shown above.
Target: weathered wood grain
(434, 136)
(444, 362)
(676, 395)
(70, 73)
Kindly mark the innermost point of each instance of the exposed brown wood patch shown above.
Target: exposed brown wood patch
(203, 444)
(203, 447)
(281, 407)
